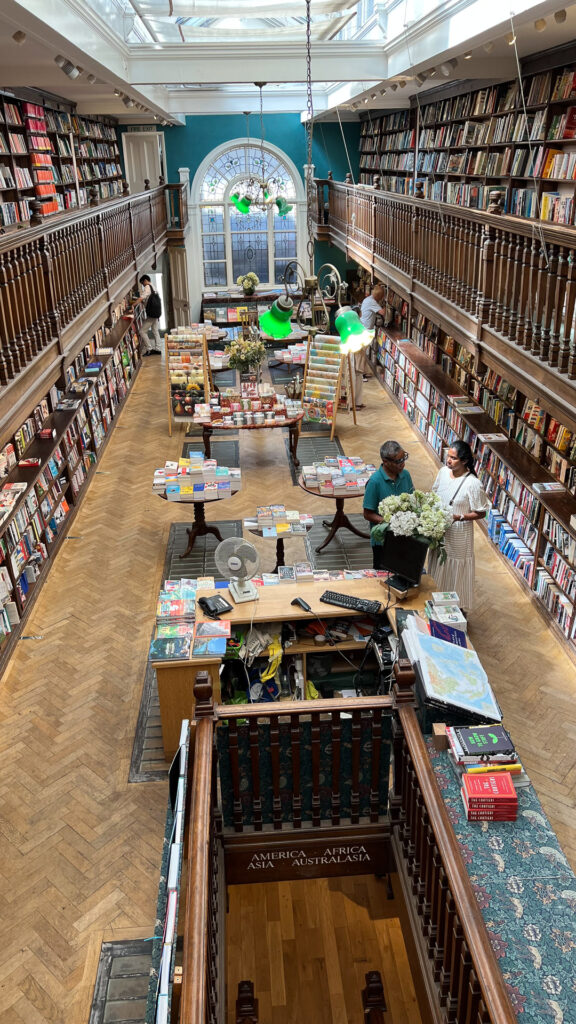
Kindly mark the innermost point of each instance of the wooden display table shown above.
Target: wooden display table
(293, 425)
(200, 527)
(176, 678)
(279, 543)
(340, 520)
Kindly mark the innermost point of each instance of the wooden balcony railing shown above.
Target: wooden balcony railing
(457, 958)
(63, 275)
(501, 279)
(177, 207)
(460, 971)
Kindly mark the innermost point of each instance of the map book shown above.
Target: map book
(451, 676)
(209, 647)
(217, 627)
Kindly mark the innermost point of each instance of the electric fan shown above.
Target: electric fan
(238, 561)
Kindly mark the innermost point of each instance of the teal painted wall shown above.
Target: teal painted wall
(188, 145)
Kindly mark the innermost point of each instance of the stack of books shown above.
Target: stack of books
(338, 477)
(277, 520)
(481, 749)
(445, 619)
(490, 796)
(196, 479)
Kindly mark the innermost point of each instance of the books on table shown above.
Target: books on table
(489, 797)
(479, 742)
(175, 648)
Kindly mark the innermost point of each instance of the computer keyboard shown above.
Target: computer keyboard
(351, 603)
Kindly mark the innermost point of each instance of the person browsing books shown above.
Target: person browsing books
(461, 493)
(391, 478)
(370, 308)
(152, 304)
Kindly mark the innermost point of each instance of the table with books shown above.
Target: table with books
(338, 478)
(276, 522)
(255, 407)
(195, 481)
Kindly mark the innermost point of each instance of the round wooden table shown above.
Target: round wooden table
(293, 425)
(340, 520)
(199, 527)
(279, 542)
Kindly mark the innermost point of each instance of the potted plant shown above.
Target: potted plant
(246, 353)
(420, 515)
(248, 282)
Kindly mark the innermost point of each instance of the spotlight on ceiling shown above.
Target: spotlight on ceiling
(488, 47)
(117, 92)
(560, 16)
(373, 95)
(431, 72)
(382, 92)
(19, 37)
(540, 24)
(421, 78)
(128, 101)
(511, 38)
(448, 67)
(393, 86)
(468, 56)
(402, 83)
(91, 79)
(365, 99)
(355, 106)
(67, 66)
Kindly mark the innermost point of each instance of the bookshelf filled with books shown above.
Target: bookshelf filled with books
(16, 185)
(533, 517)
(46, 463)
(97, 157)
(461, 146)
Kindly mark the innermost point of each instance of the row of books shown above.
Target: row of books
(277, 521)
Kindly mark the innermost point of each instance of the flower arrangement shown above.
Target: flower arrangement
(248, 282)
(246, 352)
(420, 514)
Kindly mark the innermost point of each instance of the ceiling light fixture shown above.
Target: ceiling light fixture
(393, 86)
(91, 79)
(128, 101)
(402, 83)
(19, 37)
(117, 92)
(488, 47)
(420, 78)
(448, 67)
(67, 66)
(382, 92)
(373, 95)
(257, 190)
(560, 16)
(510, 38)
(540, 24)
(468, 56)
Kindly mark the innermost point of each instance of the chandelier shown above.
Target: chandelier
(259, 190)
(313, 291)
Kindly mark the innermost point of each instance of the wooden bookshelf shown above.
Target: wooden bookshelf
(530, 528)
(50, 491)
(464, 145)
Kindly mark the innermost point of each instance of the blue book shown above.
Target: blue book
(198, 490)
(209, 647)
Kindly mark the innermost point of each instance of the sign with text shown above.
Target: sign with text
(267, 859)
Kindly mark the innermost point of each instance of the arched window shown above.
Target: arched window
(233, 243)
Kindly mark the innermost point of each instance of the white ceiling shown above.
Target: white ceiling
(136, 47)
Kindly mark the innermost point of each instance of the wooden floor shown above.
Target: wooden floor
(79, 845)
(308, 945)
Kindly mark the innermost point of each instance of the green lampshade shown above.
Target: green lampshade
(242, 203)
(275, 322)
(353, 334)
(283, 207)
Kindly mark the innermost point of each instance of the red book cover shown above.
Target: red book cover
(489, 786)
(487, 813)
(570, 126)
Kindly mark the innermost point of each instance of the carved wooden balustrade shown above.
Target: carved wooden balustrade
(177, 207)
(66, 273)
(459, 966)
(499, 277)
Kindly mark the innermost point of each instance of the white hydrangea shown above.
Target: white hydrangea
(404, 524)
(420, 514)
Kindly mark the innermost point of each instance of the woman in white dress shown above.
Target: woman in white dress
(462, 494)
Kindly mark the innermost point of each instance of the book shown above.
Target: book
(209, 647)
(441, 598)
(548, 485)
(445, 631)
(491, 789)
(484, 740)
(166, 630)
(451, 676)
(286, 574)
(216, 627)
(170, 648)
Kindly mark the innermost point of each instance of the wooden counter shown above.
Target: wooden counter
(176, 678)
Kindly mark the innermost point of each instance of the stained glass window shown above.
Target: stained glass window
(261, 240)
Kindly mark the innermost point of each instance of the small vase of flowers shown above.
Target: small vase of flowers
(420, 515)
(248, 282)
(246, 353)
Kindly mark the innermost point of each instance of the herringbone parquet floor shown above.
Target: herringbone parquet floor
(79, 846)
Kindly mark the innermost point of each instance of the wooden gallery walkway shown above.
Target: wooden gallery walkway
(79, 846)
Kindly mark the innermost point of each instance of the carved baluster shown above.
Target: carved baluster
(448, 943)
(463, 989)
(551, 274)
(315, 745)
(235, 774)
(7, 369)
(275, 763)
(438, 892)
(559, 287)
(296, 778)
(255, 772)
(336, 747)
(531, 297)
(246, 1004)
(376, 762)
(455, 972)
(11, 308)
(49, 286)
(567, 350)
(37, 285)
(32, 335)
(499, 279)
(494, 306)
(373, 995)
(23, 306)
(474, 238)
(514, 290)
(428, 848)
(355, 775)
(524, 289)
(539, 296)
(415, 269)
(484, 302)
